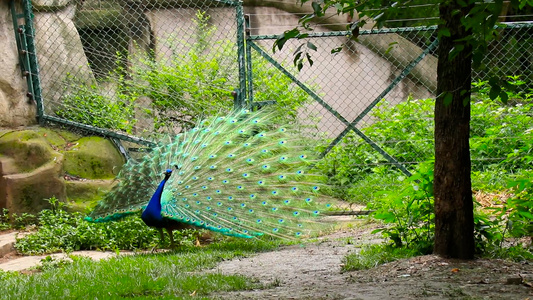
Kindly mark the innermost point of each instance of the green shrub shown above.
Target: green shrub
(60, 230)
(501, 140)
(373, 255)
(89, 105)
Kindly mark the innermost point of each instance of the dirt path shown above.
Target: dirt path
(314, 272)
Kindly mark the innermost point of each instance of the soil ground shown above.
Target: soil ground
(314, 272)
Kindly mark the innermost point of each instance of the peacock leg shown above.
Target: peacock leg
(161, 235)
(172, 245)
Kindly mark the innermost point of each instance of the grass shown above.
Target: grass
(145, 276)
(373, 255)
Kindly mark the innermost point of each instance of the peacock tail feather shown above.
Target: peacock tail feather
(241, 175)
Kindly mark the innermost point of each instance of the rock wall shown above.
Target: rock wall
(39, 163)
(59, 48)
(15, 109)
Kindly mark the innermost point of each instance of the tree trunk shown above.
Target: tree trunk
(454, 218)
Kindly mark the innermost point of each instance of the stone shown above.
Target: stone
(49, 5)
(15, 109)
(93, 158)
(62, 60)
(33, 165)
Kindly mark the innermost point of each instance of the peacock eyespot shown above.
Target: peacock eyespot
(245, 175)
(250, 210)
(208, 198)
(296, 213)
(281, 221)
(243, 204)
(294, 189)
(204, 187)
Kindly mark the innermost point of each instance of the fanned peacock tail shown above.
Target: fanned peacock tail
(241, 175)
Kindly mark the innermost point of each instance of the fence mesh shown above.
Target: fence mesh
(144, 69)
(378, 99)
(138, 68)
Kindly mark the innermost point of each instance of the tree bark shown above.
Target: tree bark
(454, 218)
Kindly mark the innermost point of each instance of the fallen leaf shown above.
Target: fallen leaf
(455, 270)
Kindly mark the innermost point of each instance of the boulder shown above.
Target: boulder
(60, 53)
(15, 109)
(93, 158)
(40, 163)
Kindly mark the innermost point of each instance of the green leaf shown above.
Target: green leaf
(311, 46)
(336, 50)
(444, 32)
(309, 59)
(448, 98)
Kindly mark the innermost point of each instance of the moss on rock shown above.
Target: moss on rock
(93, 158)
(28, 149)
(82, 195)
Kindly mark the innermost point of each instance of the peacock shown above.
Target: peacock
(242, 175)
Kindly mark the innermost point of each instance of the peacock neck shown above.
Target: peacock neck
(152, 213)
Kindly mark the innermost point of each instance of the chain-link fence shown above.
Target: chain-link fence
(373, 102)
(133, 69)
(137, 68)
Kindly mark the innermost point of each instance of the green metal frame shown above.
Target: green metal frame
(25, 37)
(350, 126)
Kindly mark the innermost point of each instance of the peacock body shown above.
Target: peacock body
(241, 175)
